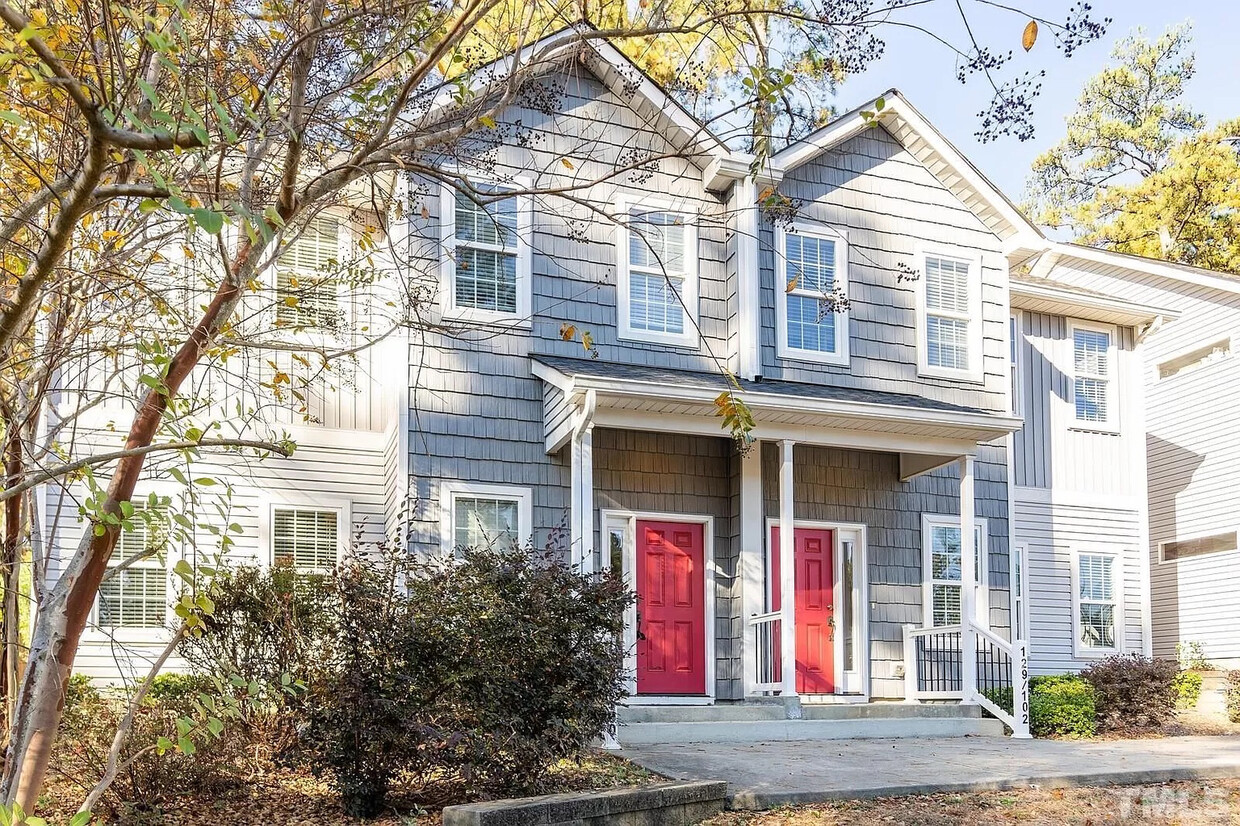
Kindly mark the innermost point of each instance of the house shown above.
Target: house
(1192, 390)
(945, 489)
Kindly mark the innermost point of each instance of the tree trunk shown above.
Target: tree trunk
(63, 616)
(10, 566)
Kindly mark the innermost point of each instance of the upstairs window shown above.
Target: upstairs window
(1093, 376)
(137, 596)
(487, 262)
(306, 538)
(950, 322)
(811, 299)
(658, 277)
(306, 294)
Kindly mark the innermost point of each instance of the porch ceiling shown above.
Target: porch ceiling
(924, 431)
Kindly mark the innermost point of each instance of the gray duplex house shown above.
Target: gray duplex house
(895, 529)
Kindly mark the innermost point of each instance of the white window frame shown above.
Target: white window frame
(521, 317)
(343, 252)
(1019, 597)
(690, 293)
(343, 513)
(450, 491)
(1111, 424)
(929, 521)
(976, 370)
(173, 553)
(1079, 650)
(783, 350)
(1016, 359)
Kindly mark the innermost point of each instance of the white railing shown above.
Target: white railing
(936, 665)
(766, 631)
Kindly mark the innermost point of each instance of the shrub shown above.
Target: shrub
(1187, 689)
(477, 674)
(1000, 696)
(1233, 696)
(1048, 680)
(1192, 656)
(1063, 707)
(1133, 692)
(177, 691)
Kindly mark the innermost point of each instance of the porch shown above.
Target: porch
(806, 549)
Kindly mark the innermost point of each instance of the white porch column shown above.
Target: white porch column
(753, 595)
(968, 580)
(581, 488)
(787, 571)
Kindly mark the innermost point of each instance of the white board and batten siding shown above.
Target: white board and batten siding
(1077, 488)
(1193, 445)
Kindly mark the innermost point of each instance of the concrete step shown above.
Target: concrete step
(751, 712)
(763, 731)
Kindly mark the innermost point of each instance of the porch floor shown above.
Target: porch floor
(765, 775)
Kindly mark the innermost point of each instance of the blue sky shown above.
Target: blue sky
(925, 71)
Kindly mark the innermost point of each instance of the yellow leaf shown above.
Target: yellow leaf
(567, 332)
(1030, 36)
(567, 163)
(792, 284)
(290, 300)
(426, 213)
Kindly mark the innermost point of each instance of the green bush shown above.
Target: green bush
(1063, 707)
(1133, 692)
(1187, 689)
(1000, 696)
(1047, 680)
(177, 691)
(476, 674)
(1233, 696)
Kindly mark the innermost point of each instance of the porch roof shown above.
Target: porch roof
(926, 432)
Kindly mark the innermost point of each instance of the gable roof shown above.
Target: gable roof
(932, 150)
(1121, 264)
(1043, 294)
(582, 43)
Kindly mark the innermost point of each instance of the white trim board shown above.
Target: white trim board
(610, 516)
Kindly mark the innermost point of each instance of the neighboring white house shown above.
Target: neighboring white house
(949, 475)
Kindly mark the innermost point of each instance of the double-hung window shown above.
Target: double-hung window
(657, 284)
(486, 269)
(1097, 602)
(306, 273)
(943, 569)
(811, 305)
(949, 323)
(137, 596)
(484, 516)
(308, 539)
(1093, 377)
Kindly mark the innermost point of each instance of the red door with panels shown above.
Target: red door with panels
(813, 557)
(671, 593)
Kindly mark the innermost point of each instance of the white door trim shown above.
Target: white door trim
(858, 688)
(612, 516)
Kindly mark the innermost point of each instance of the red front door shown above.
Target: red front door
(813, 554)
(671, 591)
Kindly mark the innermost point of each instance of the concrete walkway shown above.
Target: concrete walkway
(763, 775)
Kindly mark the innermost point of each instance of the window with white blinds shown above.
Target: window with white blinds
(1096, 601)
(305, 538)
(658, 262)
(948, 303)
(306, 294)
(137, 597)
(814, 277)
(487, 254)
(1093, 376)
(944, 572)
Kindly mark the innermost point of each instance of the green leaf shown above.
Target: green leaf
(80, 819)
(210, 220)
(186, 745)
(12, 117)
(215, 725)
(126, 509)
(184, 570)
(147, 206)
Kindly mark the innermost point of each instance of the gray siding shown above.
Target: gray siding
(888, 202)
(840, 485)
(1193, 456)
(1052, 450)
(1051, 534)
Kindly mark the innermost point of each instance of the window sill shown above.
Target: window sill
(813, 357)
(1096, 428)
(691, 342)
(488, 318)
(965, 376)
